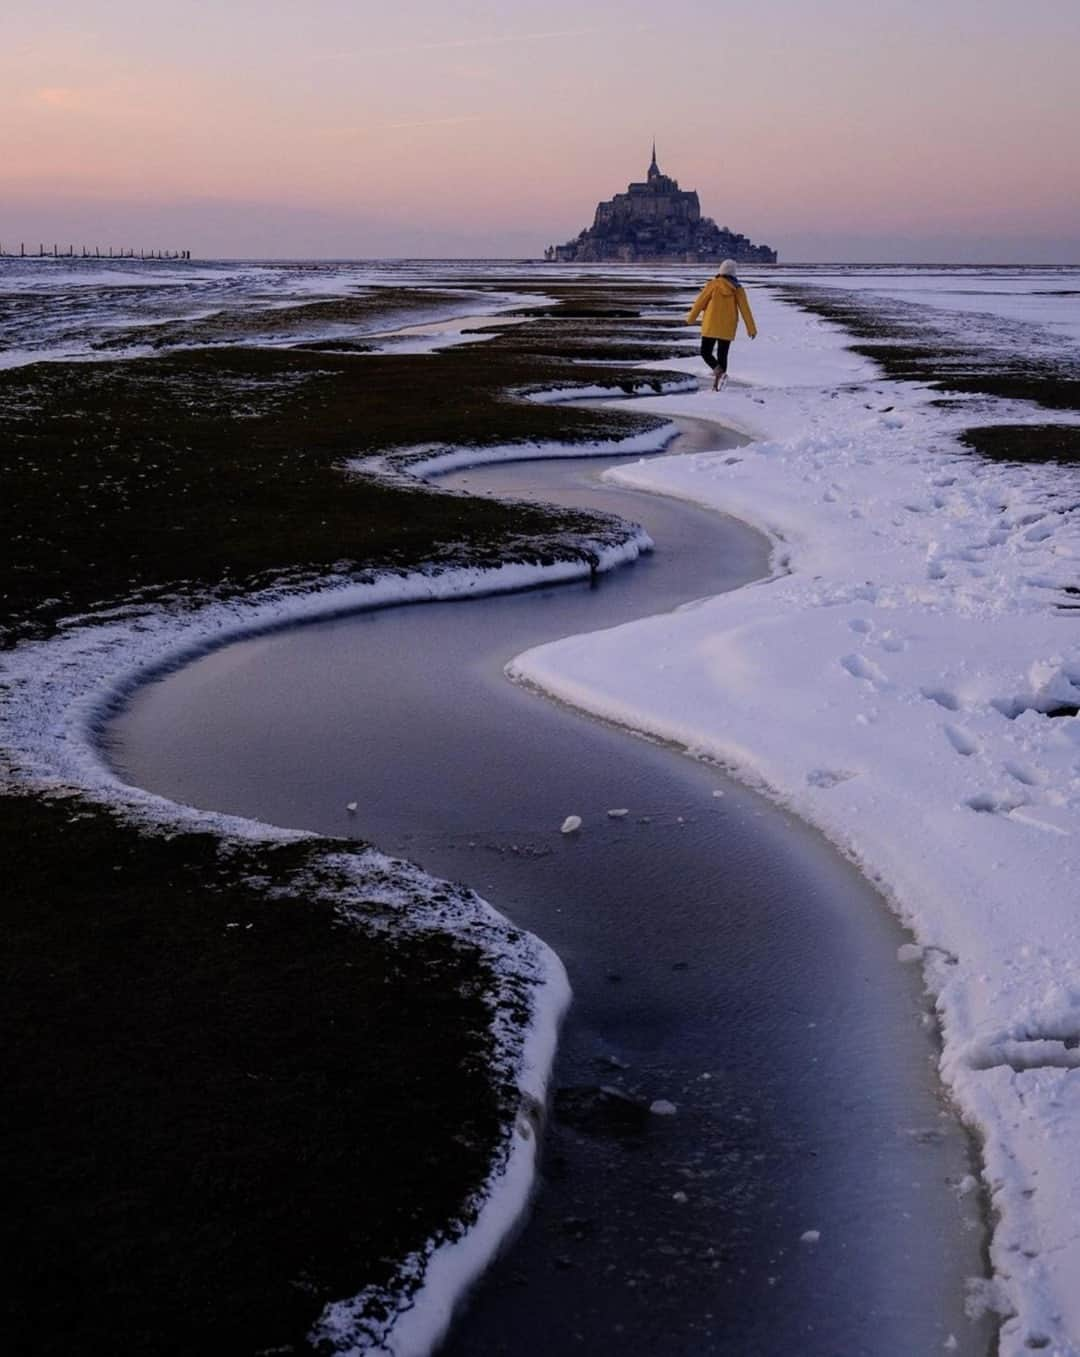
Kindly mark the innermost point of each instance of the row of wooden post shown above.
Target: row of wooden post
(86, 252)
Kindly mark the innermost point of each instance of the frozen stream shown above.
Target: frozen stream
(722, 956)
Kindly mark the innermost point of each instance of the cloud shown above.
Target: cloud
(59, 96)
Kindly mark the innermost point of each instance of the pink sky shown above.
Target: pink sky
(840, 129)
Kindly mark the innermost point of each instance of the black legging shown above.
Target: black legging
(715, 352)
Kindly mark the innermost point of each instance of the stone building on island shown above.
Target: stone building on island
(657, 223)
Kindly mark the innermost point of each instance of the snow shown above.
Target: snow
(66, 307)
(1048, 297)
(557, 395)
(449, 331)
(891, 684)
(436, 459)
(418, 1319)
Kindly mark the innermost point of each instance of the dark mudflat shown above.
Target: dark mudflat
(1025, 442)
(987, 356)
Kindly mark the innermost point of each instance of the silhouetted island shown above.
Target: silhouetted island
(656, 223)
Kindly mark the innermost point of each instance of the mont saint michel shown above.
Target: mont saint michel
(656, 222)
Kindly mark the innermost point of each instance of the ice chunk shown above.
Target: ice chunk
(662, 1108)
(619, 813)
(571, 823)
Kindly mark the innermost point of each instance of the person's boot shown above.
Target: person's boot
(719, 380)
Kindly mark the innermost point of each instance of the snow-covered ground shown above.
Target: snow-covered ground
(894, 683)
(85, 309)
(1046, 297)
(891, 683)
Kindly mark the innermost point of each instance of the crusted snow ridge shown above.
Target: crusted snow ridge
(412, 1318)
(907, 681)
(559, 395)
(436, 459)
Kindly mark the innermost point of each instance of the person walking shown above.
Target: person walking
(723, 301)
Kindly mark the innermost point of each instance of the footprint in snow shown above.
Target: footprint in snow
(828, 777)
(942, 697)
(988, 804)
(1027, 777)
(858, 666)
(963, 742)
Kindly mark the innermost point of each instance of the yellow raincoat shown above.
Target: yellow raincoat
(723, 303)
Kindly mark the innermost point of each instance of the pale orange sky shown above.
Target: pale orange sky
(834, 130)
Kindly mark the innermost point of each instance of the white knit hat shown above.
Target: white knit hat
(727, 269)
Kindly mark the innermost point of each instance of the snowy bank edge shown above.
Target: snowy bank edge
(427, 460)
(60, 691)
(448, 1269)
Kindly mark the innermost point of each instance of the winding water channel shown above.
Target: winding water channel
(722, 956)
